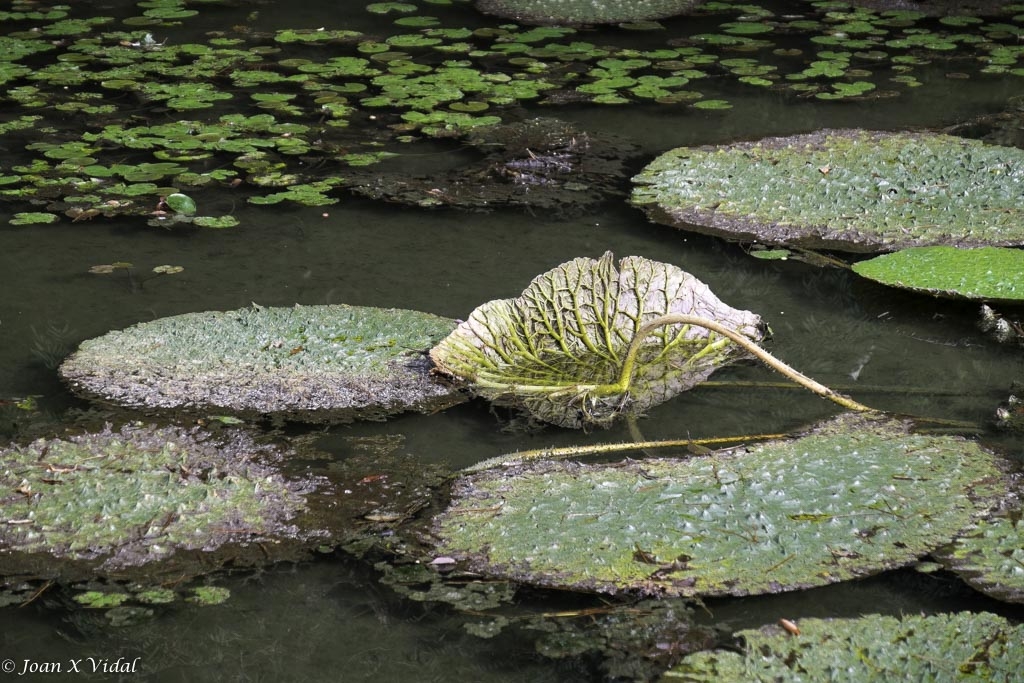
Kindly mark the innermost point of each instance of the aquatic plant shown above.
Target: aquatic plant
(985, 273)
(851, 497)
(990, 557)
(586, 343)
(577, 12)
(138, 494)
(841, 189)
(319, 363)
(578, 347)
(958, 646)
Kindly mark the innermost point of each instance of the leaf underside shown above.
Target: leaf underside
(558, 349)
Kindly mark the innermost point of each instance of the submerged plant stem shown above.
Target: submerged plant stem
(771, 361)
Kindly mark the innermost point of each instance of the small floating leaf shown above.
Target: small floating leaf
(181, 203)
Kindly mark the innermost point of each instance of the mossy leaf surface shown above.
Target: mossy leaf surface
(846, 189)
(854, 496)
(136, 495)
(986, 273)
(556, 348)
(991, 557)
(872, 649)
(319, 363)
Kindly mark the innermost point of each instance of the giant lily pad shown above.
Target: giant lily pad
(562, 350)
(842, 189)
(308, 362)
(136, 495)
(988, 273)
(991, 557)
(852, 497)
(875, 648)
(576, 12)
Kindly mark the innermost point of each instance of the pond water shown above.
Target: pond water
(330, 618)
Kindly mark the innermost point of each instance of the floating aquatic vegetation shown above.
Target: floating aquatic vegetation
(843, 189)
(583, 12)
(990, 557)
(940, 647)
(319, 363)
(540, 163)
(851, 497)
(139, 494)
(564, 350)
(985, 273)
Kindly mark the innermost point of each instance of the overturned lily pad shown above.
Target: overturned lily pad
(941, 647)
(561, 350)
(852, 497)
(852, 190)
(317, 363)
(582, 12)
(986, 273)
(137, 495)
(991, 557)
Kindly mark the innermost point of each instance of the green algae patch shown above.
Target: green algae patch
(852, 497)
(317, 363)
(129, 497)
(850, 189)
(564, 349)
(942, 647)
(991, 557)
(583, 12)
(985, 273)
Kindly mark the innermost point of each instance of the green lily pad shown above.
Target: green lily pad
(842, 189)
(872, 649)
(991, 557)
(582, 12)
(985, 273)
(168, 488)
(33, 218)
(560, 350)
(852, 497)
(317, 363)
(181, 203)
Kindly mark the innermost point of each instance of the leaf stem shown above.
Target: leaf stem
(629, 362)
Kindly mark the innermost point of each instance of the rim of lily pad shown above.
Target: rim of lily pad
(851, 497)
(844, 189)
(169, 489)
(957, 646)
(994, 274)
(332, 363)
(585, 12)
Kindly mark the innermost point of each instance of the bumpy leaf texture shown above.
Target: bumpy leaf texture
(557, 350)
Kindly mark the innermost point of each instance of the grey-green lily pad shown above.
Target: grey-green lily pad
(985, 273)
(991, 557)
(168, 489)
(962, 646)
(854, 496)
(563, 349)
(850, 189)
(583, 12)
(316, 363)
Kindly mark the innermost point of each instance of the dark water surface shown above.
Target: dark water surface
(330, 619)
